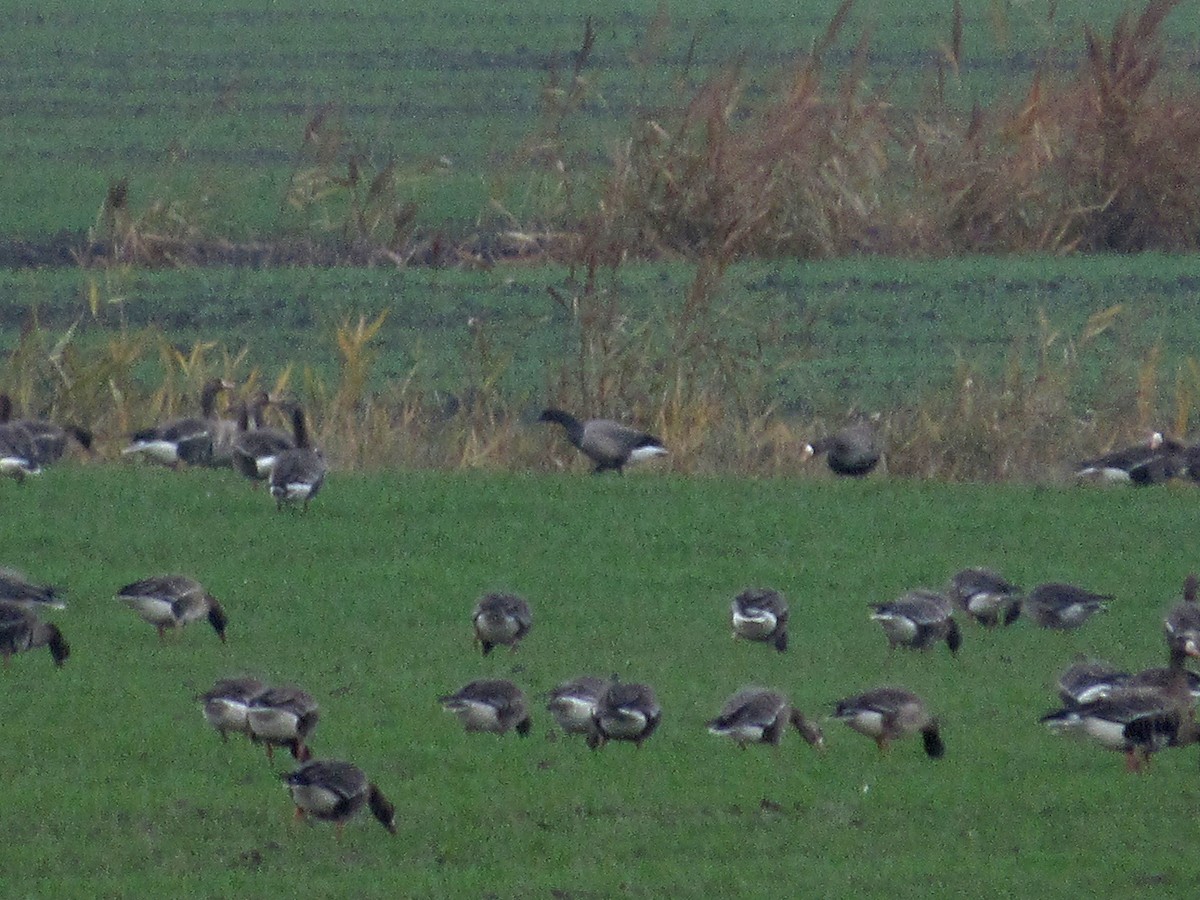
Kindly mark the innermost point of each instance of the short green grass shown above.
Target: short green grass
(116, 787)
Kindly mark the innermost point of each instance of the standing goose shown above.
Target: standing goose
(188, 440)
(1181, 627)
(759, 716)
(173, 601)
(986, 596)
(1133, 721)
(572, 703)
(1063, 606)
(1088, 680)
(888, 714)
(15, 588)
(227, 704)
(283, 717)
(918, 620)
(760, 614)
(18, 452)
(256, 446)
(298, 473)
(490, 704)
(22, 629)
(335, 791)
(1148, 463)
(608, 444)
(625, 712)
(49, 439)
(501, 619)
(853, 451)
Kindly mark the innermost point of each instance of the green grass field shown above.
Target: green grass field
(116, 787)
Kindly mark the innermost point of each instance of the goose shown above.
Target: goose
(917, 620)
(501, 619)
(15, 588)
(608, 444)
(49, 439)
(852, 451)
(335, 791)
(760, 614)
(227, 704)
(573, 702)
(1154, 461)
(756, 715)
(188, 440)
(173, 601)
(255, 449)
(986, 596)
(1063, 606)
(21, 629)
(490, 704)
(283, 717)
(888, 714)
(299, 472)
(18, 452)
(625, 712)
(1088, 680)
(1181, 627)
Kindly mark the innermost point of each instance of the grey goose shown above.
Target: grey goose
(494, 705)
(227, 704)
(48, 439)
(917, 620)
(756, 715)
(297, 473)
(609, 445)
(573, 702)
(760, 614)
(283, 716)
(852, 451)
(501, 619)
(187, 440)
(257, 446)
(1062, 606)
(988, 597)
(173, 601)
(888, 714)
(22, 629)
(18, 452)
(16, 588)
(626, 711)
(1142, 464)
(1181, 627)
(332, 790)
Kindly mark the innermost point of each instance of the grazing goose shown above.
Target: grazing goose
(255, 449)
(1088, 680)
(888, 714)
(757, 716)
(15, 588)
(1063, 606)
(610, 445)
(173, 601)
(49, 439)
(283, 717)
(490, 704)
(336, 791)
(1142, 464)
(625, 712)
(987, 597)
(227, 704)
(501, 619)
(760, 614)
(853, 451)
(21, 629)
(917, 620)
(1181, 627)
(188, 440)
(298, 473)
(573, 702)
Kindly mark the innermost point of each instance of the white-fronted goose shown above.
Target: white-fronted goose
(335, 791)
(888, 714)
(257, 446)
(986, 596)
(18, 452)
(625, 712)
(1088, 680)
(572, 703)
(853, 451)
(1062, 606)
(283, 717)
(16, 588)
(227, 704)
(759, 716)
(760, 614)
(188, 440)
(501, 619)
(22, 629)
(1181, 627)
(49, 439)
(490, 704)
(1150, 463)
(918, 620)
(173, 601)
(298, 473)
(608, 444)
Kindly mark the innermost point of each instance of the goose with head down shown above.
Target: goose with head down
(572, 703)
(332, 790)
(888, 714)
(494, 705)
(988, 597)
(626, 711)
(283, 716)
(173, 601)
(918, 620)
(501, 620)
(756, 715)
(22, 629)
(609, 445)
(852, 451)
(761, 614)
(227, 704)
(1061, 606)
(17, 589)
(1155, 461)
(48, 439)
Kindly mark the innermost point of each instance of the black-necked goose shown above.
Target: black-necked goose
(888, 714)
(495, 705)
(189, 439)
(1062, 606)
(227, 704)
(572, 703)
(625, 712)
(918, 620)
(283, 716)
(298, 473)
(760, 614)
(1150, 463)
(257, 446)
(608, 444)
(49, 439)
(501, 619)
(988, 597)
(759, 716)
(335, 791)
(173, 601)
(21, 629)
(16, 588)
(853, 451)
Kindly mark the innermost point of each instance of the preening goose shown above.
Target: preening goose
(625, 712)
(257, 446)
(853, 451)
(173, 601)
(986, 596)
(1062, 606)
(490, 704)
(22, 629)
(298, 473)
(227, 704)
(501, 619)
(1150, 463)
(759, 716)
(760, 614)
(918, 620)
(188, 440)
(283, 717)
(608, 444)
(888, 714)
(573, 702)
(49, 439)
(17, 589)
(335, 791)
